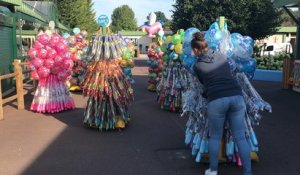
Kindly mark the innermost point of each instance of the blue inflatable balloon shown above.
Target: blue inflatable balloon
(213, 46)
(154, 64)
(76, 30)
(189, 62)
(218, 36)
(248, 66)
(127, 70)
(188, 34)
(173, 55)
(215, 26)
(213, 38)
(248, 40)
(236, 38)
(187, 49)
(65, 35)
(171, 46)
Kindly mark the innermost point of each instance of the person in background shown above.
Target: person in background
(225, 102)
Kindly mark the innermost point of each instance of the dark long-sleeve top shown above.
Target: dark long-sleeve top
(213, 71)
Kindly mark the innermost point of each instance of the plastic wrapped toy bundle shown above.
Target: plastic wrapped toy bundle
(155, 63)
(175, 77)
(127, 62)
(78, 46)
(238, 50)
(51, 63)
(108, 91)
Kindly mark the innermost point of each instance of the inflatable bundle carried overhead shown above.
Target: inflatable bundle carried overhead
(174, 77)
(78, 45)
(51, 62)
(155, 30)
(237, 49)
(127, 62)
(155, 63)
(108, 91)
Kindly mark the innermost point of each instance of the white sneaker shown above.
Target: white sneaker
(208, 172)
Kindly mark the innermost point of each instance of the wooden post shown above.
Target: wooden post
(288, 65)
(19, 84)
(1, 103)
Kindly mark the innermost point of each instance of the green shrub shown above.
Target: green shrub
(272, 62)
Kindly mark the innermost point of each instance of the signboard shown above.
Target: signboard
(103, 21)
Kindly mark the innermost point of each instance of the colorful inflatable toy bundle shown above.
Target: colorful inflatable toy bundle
(175, 77)
(238, 49)
(155, 63)
(109, 93)
(51, 63)
(78, 47)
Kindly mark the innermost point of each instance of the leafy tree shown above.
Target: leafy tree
(78, 13)
(160, 16)
(123, 18)
(287, 20)
(256, 18)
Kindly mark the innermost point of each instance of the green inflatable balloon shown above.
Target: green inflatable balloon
(176, 39)
(166, 58)
(164, 48)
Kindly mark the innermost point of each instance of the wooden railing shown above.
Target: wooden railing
(18, 75)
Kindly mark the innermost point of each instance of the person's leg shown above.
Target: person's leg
(236, 117)
(216, 111)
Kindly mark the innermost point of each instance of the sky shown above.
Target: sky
(141, 8)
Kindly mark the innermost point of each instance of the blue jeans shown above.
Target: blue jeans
(233, 109)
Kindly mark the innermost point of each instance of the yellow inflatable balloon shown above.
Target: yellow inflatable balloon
(178, 48)
(123, 63)
(168, 39)
(130, 63)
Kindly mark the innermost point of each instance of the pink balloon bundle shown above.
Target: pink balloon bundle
(50, 56)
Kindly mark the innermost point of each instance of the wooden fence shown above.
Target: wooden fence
(18, 74)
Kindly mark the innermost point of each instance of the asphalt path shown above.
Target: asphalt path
(152, 143)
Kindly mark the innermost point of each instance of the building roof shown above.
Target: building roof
(48, 9)
(288, 3)
(43, 7)
(132, 33)
(287, 29)
(27, 12)
(11, 2)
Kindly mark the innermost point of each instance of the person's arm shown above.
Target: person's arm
(197, 71)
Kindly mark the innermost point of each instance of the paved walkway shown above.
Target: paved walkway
(152, 144)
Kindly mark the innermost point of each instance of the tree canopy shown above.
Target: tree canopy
(78, 13)
(287, 20)
(160, 16)
(123, 18)
(256, 18)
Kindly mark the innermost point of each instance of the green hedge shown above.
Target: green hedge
(273, 62)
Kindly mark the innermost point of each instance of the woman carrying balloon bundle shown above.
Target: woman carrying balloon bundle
(225, 102)
(109, 92)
